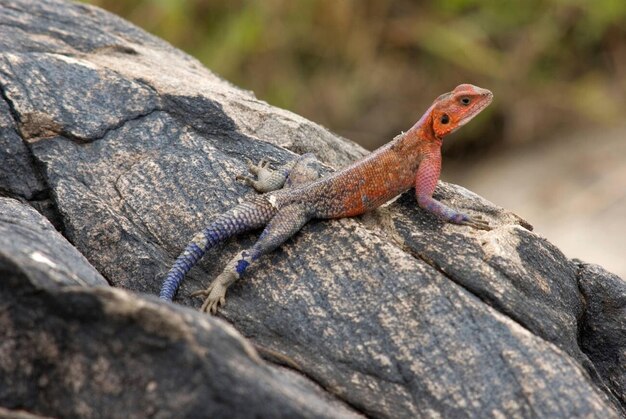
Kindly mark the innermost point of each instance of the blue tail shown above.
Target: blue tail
(250, 215)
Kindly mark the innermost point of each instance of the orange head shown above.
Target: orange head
(452, 110)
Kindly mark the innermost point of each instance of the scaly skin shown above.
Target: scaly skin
(411, 159)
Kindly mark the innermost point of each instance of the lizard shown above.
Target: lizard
(293, 193)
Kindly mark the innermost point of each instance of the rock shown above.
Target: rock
(602, 328)
(130, 147)
(19, 414)
(70, 350)
(29, 241)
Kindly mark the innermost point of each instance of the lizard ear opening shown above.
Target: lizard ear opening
(443, 124)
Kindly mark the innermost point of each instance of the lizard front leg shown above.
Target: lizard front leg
(287, 222)
(425, 183)
(267, 179)
(304, 171)
(297, 172)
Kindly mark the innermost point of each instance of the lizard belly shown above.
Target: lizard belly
(361, 187)
(357, 192)
(369, 198)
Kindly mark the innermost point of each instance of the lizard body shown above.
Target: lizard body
(411, 159)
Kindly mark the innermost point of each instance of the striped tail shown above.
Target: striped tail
(249, 215)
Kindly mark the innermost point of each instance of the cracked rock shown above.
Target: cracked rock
(73, 347)
(129, 147)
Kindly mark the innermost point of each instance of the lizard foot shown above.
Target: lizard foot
(215, 296)
(264, 164)
(267, 178)
(245, 179)
(477, 222)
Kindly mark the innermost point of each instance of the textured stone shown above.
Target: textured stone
(603, 326)
(31, 242)
(74, 351)
(130, 147)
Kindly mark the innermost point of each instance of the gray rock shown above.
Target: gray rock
(77, 351)
(130, 147)
(15, 159)
(603, 328)
(28, 240)
(19, 414)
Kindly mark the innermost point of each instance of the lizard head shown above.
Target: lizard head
(452, 110)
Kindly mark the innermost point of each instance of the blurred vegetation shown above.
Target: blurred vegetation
(367, 69)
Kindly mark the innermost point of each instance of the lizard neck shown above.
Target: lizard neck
(418, 136)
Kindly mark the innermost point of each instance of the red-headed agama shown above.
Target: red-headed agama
(294, 193)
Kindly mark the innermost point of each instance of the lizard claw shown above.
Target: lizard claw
(249, 163)
(245, 179)
(215, 296)
(477, 222)
(263, 166)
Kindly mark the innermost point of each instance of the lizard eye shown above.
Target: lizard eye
(445, 119)
(465, 101)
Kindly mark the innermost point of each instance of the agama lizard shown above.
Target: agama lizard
(411, 159)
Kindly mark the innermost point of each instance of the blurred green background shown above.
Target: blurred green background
(552, 145)
(367, 69)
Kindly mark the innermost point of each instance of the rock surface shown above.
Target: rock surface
(73, 351)
(129, 147)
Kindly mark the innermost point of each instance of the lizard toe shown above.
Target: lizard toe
(480, 224)
(199, 293)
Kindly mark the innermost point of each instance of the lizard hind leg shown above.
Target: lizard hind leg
(287, 222)
(249, 215)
